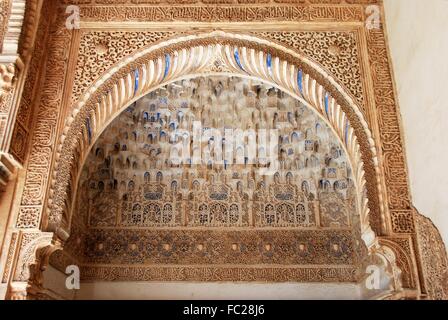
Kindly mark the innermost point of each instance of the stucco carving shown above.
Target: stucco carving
(397, 183)
(26, 110)
(100, 50)
(45, 127)
(5, 7)
(336, 51)
(33, 250)
(132, 172)
(433, 258)
(374, 124)
(133, 185)
(7, 73)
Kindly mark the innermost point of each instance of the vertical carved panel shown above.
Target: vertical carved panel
(28, 103)
(44, 139)
(390, 133)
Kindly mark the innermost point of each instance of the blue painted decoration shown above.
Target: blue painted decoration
(136, 80)
(167, 64)
(269, 62)
(237, 59)
(89, 130)
(300, 80)
(346, 131)
(326, 103)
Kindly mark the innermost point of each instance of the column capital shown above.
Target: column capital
(8, 165)
(7, 77)
(32, 254)
(10, 66)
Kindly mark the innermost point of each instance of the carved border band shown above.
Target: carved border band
(208, 274)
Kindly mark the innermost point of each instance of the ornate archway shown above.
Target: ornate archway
(222, 54)
(347, 81)
(214, 54)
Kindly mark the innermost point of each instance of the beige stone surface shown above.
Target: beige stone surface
(418, 39)
(191, 290)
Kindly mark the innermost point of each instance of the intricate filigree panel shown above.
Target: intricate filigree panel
(26, 112)
(99, 50)
(336, 51)
(218, 247)
(7, 73)
(390, 131)
(43, 142)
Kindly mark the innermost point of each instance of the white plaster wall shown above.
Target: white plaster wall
(418, 39)
(54, 281)
(216, 291)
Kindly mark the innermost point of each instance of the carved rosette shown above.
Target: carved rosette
(7, 79)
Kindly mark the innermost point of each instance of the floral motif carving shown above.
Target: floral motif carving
(254, 247)
(99, 50)
(336, 51)
(44, 139)
(29, 217)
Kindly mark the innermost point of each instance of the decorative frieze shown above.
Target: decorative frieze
(214, 274)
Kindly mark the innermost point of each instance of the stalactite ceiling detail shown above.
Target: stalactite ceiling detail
(137, 176)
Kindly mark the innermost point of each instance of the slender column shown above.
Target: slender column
(11, 80)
